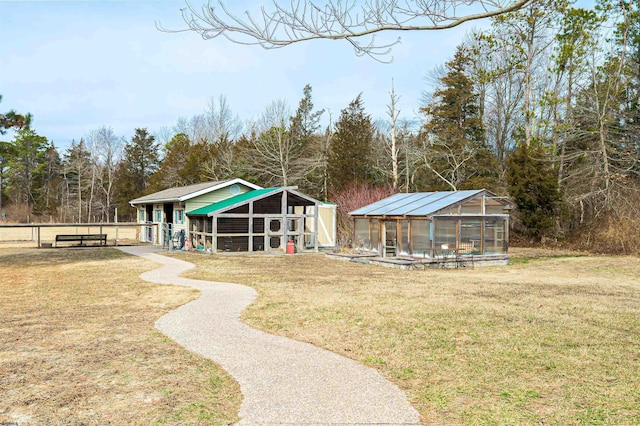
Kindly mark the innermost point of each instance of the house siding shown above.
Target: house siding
(213, 197)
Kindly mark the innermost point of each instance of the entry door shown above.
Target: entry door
(391, 238)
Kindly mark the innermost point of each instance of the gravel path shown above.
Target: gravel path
(283, 381)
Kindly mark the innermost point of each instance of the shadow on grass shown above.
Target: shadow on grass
(51, 257)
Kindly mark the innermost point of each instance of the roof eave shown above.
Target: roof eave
(219, 186)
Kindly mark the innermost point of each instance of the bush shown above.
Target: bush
(352, 197)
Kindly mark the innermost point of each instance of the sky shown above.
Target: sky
(79, 65)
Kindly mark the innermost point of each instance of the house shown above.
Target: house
(434, 225)
(224, 207)
(268, 219)
(168, 208)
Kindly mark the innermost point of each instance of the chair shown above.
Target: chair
(464, 254)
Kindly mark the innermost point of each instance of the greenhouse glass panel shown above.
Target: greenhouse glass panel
(375, 238)
(494, 237)
(472, 207)
(470, 233)
(494, 209)
(445, 233)
(404, 228)
(362, 234)
(421, 237)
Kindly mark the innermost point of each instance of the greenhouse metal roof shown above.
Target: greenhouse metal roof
(418, 203)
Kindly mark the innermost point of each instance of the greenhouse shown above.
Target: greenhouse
(435, 225)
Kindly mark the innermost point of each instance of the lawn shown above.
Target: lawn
(551, 339)
(78, 345)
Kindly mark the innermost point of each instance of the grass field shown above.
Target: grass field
(78, 345)
(550, 339)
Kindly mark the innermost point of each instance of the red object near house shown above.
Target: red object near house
(291, 248)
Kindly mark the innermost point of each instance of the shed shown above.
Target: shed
(167, 208)
(264, 219)
(424, 224)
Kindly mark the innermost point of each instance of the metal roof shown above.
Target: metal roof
(418, 203)
(183, 193)
(257, 194)
(230, 202)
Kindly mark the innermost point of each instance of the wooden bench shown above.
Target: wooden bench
(82, 238)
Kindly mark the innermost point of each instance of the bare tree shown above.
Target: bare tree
(106, 152)
(356, 22)
(274, 153)
(394, 112)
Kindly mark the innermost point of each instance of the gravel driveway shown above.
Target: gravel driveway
(283, 381)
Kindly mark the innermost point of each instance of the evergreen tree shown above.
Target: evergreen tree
(5, 148)
(27, 170)
(351, 148)
(13, 120)
(172, 167)
(455, 149)
(303, 131)
(533, 186)
(306, 121)
(133, 177)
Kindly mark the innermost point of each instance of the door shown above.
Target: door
(390, 241)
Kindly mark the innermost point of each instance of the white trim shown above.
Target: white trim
(219, 186)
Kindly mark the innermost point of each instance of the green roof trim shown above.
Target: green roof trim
(232, 202)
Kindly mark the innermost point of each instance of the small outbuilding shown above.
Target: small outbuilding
(433, 225)
(263, 220)
(167, 209)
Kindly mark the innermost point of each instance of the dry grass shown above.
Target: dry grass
(78, 346)
(549, 339)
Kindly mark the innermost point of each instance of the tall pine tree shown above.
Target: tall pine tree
(533, 186)
(351, 148)
(140, 162)
(455, 149)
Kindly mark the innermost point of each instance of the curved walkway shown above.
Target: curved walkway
(283, 381)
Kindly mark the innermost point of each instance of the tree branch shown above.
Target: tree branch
(304, 20)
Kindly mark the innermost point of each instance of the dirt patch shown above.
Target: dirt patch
(78, 345)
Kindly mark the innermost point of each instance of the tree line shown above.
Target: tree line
(541, 107)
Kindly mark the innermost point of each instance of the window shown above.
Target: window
(374, 235)
(178, 217)
(421, 237)
(157, 216)
(141, 214)
(494, 237)
(445, 233)
(404, 228)
(362, 234)
(470, 233)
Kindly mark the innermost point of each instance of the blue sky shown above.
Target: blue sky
(80, 65)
